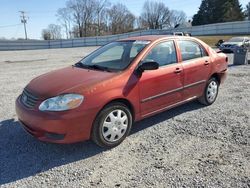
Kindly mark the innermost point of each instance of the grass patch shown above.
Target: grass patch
(212, 40)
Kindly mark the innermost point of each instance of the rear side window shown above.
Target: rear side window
(163, 53)
(191, 50)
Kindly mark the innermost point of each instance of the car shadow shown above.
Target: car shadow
(166, 115)
(235, 65)
(232, 65)
(23, 156)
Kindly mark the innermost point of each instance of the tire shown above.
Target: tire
(210, 92)
(112, 125)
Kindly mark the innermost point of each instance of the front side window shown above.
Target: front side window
(115, 56)
(163, 53)
(191, 50)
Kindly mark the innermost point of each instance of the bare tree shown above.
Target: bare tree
(177, 18)
(65, 18)
(121, 19)
(76, 8)
(155, 14)
(53, 32)
(83, 13)
(100, 6)
(141, 23)
(83, 18)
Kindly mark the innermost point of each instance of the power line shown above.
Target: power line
(3, 26)
(17, 30)
(24, 19)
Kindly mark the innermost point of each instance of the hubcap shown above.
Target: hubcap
(115, 125)
(212, 91)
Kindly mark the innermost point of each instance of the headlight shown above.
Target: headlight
(61, 103)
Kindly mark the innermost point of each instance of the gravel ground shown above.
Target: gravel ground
(189, 146)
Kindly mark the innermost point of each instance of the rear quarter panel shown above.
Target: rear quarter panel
(219, 65)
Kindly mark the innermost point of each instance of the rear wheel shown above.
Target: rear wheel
(210, 93)
(112, 125)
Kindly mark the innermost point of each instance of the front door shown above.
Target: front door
(162, 87)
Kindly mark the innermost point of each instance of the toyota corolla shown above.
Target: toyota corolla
(101, 96)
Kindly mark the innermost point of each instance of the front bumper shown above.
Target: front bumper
(56, 127)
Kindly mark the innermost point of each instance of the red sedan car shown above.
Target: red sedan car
(101, 96)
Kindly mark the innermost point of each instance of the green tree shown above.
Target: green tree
(216, 11)
(232, 11)
(248, 11)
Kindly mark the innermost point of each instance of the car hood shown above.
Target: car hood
(58, 81)
(233, 43)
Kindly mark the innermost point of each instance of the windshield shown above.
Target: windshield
(115, 56)
(236, 39)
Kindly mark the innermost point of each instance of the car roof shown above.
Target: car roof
(155, 37)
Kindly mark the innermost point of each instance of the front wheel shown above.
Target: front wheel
(210, 93)
(112, 125)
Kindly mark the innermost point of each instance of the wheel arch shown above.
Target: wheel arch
(217, 77)
(95, 134)
(123, 101)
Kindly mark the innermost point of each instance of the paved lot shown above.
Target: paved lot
(189, 146)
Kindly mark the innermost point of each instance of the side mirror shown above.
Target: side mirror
(151, 65)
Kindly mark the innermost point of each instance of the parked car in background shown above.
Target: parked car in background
(182, 34)
(233, 43)
(101, 96)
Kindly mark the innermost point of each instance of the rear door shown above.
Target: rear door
(162, 87)
(196, 64)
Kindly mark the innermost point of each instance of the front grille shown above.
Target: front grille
(28, 99)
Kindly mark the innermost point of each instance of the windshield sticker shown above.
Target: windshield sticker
(143, 42)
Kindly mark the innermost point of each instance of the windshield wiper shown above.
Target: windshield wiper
(96, 67)
(81, 65)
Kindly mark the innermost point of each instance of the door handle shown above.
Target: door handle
(177, 70)
(206, 62)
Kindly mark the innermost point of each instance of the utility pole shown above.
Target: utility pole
(24, 21)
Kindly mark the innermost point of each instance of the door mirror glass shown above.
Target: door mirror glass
(150, 65)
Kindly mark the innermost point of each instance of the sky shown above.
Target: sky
(41, 13)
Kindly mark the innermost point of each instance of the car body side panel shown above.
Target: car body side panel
(123, 86)
(160, 88)
(196, 74)
(219, 65)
